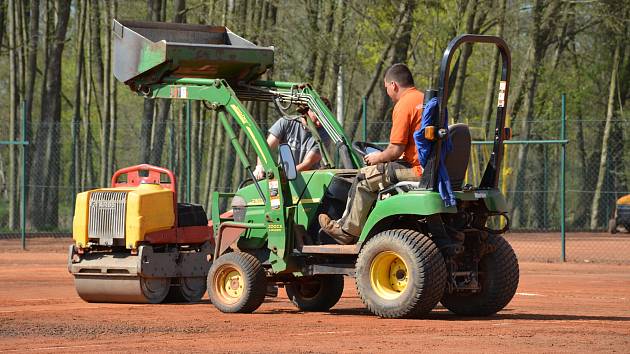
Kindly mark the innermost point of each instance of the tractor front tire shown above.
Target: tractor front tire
(317, 293)
(237, 283)
(400, 274)
(498, 273)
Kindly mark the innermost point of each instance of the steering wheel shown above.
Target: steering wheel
(244, 182)
(363, 148)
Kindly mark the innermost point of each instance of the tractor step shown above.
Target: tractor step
(331, 249)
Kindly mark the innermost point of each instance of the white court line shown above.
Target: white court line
(96, 307)
(43, 299)
(55, 347)
(326, 332)
(529, 294)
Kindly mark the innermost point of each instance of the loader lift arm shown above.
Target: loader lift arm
(216, 94)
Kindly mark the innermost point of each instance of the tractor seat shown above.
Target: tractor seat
(456, 161)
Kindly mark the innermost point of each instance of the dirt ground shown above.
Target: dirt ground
(583, 247)
(559, 307)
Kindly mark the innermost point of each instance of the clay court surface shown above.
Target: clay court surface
(570, 307)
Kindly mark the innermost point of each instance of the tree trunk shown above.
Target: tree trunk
(475, 17)
(401, 47)
(322, 67)
(31, 72)
(154, 13)
(35, 149)
(100, 81)
(195, 153)
(209, 156)
(181, 151)
(180, 11)
(375, 75)
(47, 161)
(336, 87)
(530, 93)
(14, 99)
(219, 149)
(22, 38)
(491, 93)
(544, 15)
(172, 155)
(465, 52)
(159, 131)
(75, 169)
(87, 174)
(581, 213)
(146, 129)
(106, 97)
(610, 111)
(3, 17)
(164, 105)
(312, 14)
(621, 160)
(111, 156)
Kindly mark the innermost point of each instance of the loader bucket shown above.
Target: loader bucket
(146, 52)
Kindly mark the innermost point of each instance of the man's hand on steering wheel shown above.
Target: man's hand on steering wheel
(372, 158)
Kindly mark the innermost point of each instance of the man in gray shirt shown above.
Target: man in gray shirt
(293, 130)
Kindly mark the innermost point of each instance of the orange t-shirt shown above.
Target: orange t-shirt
(406, 119)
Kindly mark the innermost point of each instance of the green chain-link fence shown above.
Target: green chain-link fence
(67, 160)
(531, 179)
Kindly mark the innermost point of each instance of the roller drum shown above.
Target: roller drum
(122, 289)
(147, 277)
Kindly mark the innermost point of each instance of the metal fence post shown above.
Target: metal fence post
(562, 175)
(364, 117)
(188, 167)
(23, 180)
(23, 144)
(545, 186)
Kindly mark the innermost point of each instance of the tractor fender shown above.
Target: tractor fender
(230, 235)
(421, 203)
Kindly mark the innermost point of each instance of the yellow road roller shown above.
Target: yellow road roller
(134, 243)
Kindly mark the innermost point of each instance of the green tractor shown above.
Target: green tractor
(413, 251)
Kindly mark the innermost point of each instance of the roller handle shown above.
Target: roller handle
(134, 179)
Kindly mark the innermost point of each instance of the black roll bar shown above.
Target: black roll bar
(490, 177)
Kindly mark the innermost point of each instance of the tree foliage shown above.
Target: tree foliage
(55, 55)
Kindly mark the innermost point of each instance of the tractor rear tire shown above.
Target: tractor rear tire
(400, 274)
(237, 283)
(499, 275)
(317, 293)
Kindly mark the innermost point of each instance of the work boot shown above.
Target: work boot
(333, 229)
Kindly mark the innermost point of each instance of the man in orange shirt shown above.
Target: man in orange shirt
(398, 162)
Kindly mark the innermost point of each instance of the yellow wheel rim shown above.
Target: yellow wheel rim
(388, 275)
(229, 284)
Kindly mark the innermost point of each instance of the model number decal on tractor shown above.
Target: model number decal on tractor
(179, 92)
(480, 195)
(274, 227)
(502, 86)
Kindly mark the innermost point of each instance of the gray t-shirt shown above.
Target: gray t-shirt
(291, 131)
